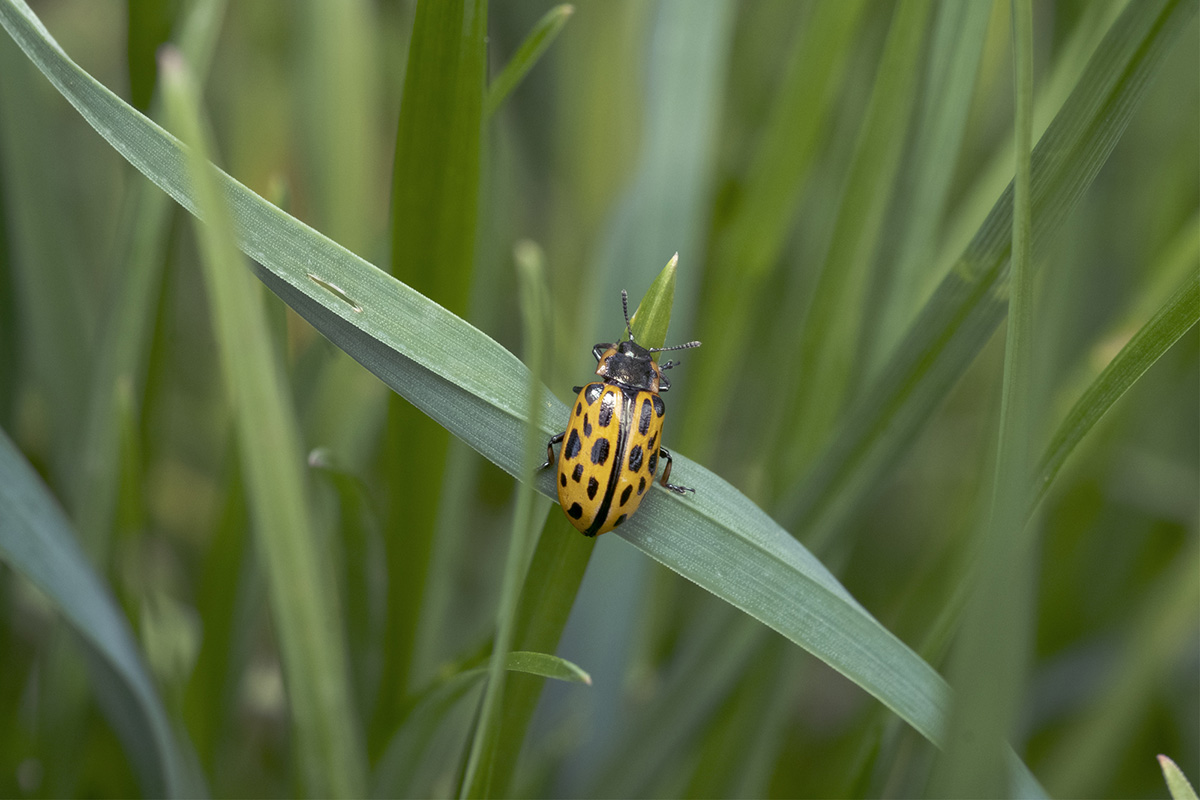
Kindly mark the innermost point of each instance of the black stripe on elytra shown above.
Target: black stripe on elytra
(624, 424)
(573, 446)
(606, 408)
(600, 451)
(644, 420)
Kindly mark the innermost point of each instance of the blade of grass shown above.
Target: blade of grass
(37, 541)
(988, 669)
(435, 186)
(701, 678)
(969, 304)
(823, 371)
(718, 539)
(1177, 782)
(551, 587)
(946, 93)
(544, 32)
(338, 81)
(48, 280)
(748, 248)
(425, 750)
(1179, 315)
(1176, 317)
(535, 318)
(148, 27)
(303, 600)
(124, 340)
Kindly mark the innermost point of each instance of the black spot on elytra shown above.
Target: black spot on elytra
(593, 392)
(635, 458)
(587, 426)
(606, 410)
(575, 511)
(625, 494)
(600, 451)
(652, 444)
(659, 407)
(653, 462)
(644, 422)
(619, 520)
(562, 478)
(578, 409)
(593, 485)
(578, 473)
(641, 484)
(573, 445)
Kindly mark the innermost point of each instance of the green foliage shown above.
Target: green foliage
(1024, 514)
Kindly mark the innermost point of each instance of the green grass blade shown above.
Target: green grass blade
(555, 574)
(435, 191)
(1179, 315)
(47, 267)
(37, 542)
(1177, 783)
(748, 248)
(535, 315)
(830, 339)
(947, 90)
(546, 666)
(424, 752)
(702, 676)
(972, 300)
(300, 585)
(987, 671)
(118, 363)
(478, 390)
(531, 50)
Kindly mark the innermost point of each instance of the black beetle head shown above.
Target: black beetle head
(630, 364)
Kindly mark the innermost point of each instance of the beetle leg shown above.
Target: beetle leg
(555, 439)
(665, 453)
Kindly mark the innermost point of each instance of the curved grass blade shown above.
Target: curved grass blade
(37, 541)
(1168, 326)
(719, 539)
(536, 43)
(424, 752)
(1177, 783)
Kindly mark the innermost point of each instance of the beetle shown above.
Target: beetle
(614, 436)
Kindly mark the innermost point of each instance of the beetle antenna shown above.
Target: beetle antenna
(625, 311)
(675, 347)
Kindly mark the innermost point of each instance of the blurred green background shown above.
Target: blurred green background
(819, 167)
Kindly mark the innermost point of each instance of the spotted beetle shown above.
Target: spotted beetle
(613, 439)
